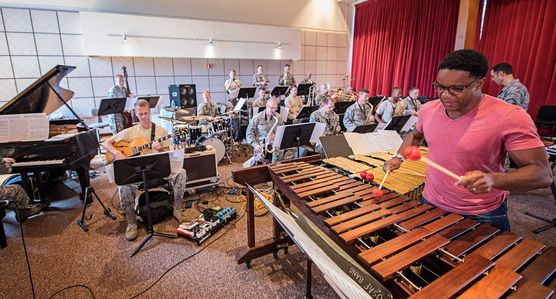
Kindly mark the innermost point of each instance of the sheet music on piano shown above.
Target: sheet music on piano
(23, 127)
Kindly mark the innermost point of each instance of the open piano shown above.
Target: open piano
(74, 150)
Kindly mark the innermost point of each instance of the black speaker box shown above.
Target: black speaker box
(183, 95)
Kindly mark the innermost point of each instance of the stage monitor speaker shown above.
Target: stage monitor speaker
(201, 168)
(183, 95)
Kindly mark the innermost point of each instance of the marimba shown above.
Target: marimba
(414, 249)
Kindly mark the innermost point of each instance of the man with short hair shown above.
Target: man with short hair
(116, 120)
(514, 92)
(232, 87)
(388, 108)
(260, 127)
(470, 134)
(326, 115)
(411, 105)
(207, 108)
(359, 113)
(286, 79)
(261, 100)
(144, 129)
(294, 103)
(259, 79)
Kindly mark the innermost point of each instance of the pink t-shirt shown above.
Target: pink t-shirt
(477, 140)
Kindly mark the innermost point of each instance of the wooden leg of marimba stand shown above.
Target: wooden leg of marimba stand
(250, 219)
(309, 280)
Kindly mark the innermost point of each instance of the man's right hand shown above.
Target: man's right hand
(120, 156)
(259, 148)
(393, 164)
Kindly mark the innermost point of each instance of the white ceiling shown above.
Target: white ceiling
(306, 14)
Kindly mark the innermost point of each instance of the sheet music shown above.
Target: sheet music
(317, 132)
(409, 124)
(341, 282)
(362, 144)
(176, 160)
(23, 127)
(129, 104)
(239, 104)
(284, 113)
(278, 136)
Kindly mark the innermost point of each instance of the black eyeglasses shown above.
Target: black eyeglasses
(453, 90)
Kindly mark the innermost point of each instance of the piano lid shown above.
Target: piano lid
(42, 95)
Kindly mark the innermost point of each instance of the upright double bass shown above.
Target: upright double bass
(129, 118)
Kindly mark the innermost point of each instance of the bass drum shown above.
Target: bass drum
(216, 143)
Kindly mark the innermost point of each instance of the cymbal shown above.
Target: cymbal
(176, 110)
(193, 118)
(172, 119)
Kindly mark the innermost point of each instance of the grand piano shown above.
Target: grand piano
(74, 150)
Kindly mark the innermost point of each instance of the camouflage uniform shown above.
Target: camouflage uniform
(331, 119)
(258, 129)
(207, 109)
(116, 121)
(290, 80)
(408, 105)
(515, 93)
(15, 194)
(259, 80)
(355, 116)
(128, 193)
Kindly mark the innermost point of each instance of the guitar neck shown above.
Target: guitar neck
(148, 145)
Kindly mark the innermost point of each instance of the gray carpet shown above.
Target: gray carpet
(62, 255)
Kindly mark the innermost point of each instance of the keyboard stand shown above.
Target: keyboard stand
(90, 192)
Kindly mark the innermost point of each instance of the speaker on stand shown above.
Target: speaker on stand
(183, 96)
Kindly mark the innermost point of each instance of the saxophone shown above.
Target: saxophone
(268, 148)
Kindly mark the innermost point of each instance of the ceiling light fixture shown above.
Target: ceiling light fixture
(124, 37)
(210, 42)
(279, 45)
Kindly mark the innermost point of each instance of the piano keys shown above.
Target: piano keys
(75, 151)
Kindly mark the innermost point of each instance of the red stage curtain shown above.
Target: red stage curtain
(400, 43)
(523, 34)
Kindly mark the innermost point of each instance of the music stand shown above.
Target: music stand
(142, 169)
(111, 106)
(246, 92)
(294, 135)
(397, 123)
(365, 128)
(306, 111)
(341, 107)
(153, 100)
(278, 91)
(304, 88)
(375, 101)
(335, 146)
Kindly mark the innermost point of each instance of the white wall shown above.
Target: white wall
(32, 41)
(303, 14)
(171, 37)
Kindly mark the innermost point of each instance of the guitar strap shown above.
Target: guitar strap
(153, 128)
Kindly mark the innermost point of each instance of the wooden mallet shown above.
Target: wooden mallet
(413, 153)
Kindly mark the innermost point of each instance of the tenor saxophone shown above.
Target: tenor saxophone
(268, 147)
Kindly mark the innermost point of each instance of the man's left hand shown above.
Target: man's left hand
(156, 145)
(477, 182)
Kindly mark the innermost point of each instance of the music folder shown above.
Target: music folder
(153, 100)
(246, 92)
(306, 111)
(303, 89)
(365, 128)
(279, 90)
(397, 123)
(112, 105)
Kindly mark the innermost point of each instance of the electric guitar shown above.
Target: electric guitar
(133, 147)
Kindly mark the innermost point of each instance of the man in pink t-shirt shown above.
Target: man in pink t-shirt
(470, 134)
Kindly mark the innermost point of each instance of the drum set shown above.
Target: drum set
(190, 131)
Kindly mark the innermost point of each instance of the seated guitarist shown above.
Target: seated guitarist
(143, 131)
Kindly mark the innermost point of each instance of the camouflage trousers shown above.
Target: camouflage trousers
(15, 194)
(129, 192)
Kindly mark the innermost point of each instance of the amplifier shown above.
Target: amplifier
(201, 168)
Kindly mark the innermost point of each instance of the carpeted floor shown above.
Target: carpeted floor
(61, 255)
